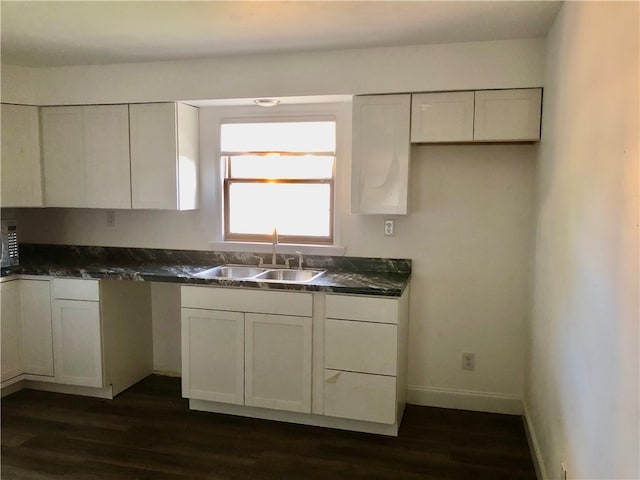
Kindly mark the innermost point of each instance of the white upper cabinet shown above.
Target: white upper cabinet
(107, 165)
(164, 156)
(508, 115)
(62, 150)
(21, 163)
(380, 160)
(442, 117)
(86, 156)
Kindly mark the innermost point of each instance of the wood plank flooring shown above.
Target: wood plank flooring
(148, 432)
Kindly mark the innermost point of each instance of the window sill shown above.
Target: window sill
(333, 250)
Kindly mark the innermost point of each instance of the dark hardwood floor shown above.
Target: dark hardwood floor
(148, 432)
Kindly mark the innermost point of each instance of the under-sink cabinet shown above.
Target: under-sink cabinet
(247, 347)
(315, 358)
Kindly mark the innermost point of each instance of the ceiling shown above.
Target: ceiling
(54, 33)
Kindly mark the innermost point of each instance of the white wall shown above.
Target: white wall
(469, 227)
(582, 384)
(456, 66)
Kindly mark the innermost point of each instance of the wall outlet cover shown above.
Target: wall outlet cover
(389, 228)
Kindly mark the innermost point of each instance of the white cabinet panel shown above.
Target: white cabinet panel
(76, 289)
(21, 162)
(63, 157)
(442, 117)
(361, 347)
(37, 335)
(78, 344)
(235, 299)
(278, 362)
(86, 156)
(380, 160)
(107, 165)
(164, 156)
(508, 115)
(213, 355)
(366, 309)
(10, 330)
(360, 396)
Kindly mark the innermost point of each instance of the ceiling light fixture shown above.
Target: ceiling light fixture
(266, 102)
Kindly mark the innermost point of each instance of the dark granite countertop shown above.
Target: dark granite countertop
(354, 275)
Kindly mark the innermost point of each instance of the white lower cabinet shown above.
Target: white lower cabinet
(258, 357)
(360, 396)
(102, 332)
(278, 362)
(10, 336)
(213, 355)
(323, 359)
(27, 345)
(78, 342)
(365, 358)
(35, 322)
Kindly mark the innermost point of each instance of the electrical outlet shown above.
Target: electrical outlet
(468, 361)
(111, 218)
(563, 471)
(388, 228)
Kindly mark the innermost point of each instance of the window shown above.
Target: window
(279, 175)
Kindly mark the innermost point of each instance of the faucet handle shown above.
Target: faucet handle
(299, 260)
(287, 262)
(260, 260)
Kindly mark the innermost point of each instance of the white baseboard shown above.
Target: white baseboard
(465, 400)
(538, 463)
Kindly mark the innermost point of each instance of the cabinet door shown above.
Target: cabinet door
(37, 336)
(154, 182)
(278, 362)
(62, 152)
(360, 396)
(106, 156)
(77, 343)
(508, 115)
(442, 117)
(21, 166)
(380, 160)
(213, 355)
(10, 330)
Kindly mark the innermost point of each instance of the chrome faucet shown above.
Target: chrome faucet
(275, 242)
(299, 260)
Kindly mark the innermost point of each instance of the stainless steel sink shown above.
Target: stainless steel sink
(290, 275)
(247, 272)
(231, 271)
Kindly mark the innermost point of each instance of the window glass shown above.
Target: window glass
(279, 175)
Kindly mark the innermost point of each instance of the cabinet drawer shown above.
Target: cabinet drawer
(76, 289)
(367, 309)
(361, 346)
(255, 301)
(360, 396)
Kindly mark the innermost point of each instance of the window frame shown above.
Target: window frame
(228, 180)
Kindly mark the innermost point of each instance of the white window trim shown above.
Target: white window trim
(212, 179)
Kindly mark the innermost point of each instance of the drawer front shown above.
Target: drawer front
(361, 346)
(255, 301)
(76, 289)
(367, 309)
(360, 396)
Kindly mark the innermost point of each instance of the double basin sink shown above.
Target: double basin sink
(245, 272)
